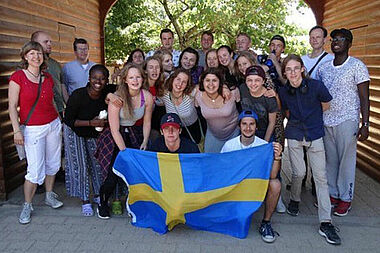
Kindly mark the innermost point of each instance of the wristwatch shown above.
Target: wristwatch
(366, 124)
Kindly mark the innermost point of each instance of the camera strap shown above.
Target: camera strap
(315, 65)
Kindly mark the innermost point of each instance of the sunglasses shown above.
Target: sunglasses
(341, 39)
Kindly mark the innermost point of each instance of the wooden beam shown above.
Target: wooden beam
(104, 7)
(318, 8)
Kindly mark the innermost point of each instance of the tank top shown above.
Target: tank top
(222, 122)
(138, 113)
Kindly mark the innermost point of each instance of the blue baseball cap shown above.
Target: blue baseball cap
(248, 113)
(170, 119)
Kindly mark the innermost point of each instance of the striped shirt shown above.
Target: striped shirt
(186, 109)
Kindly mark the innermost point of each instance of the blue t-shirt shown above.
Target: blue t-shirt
(75, 76)
(306, 115)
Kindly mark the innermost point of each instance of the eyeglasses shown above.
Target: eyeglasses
(341, 39)
(295, 70)
(82, 49)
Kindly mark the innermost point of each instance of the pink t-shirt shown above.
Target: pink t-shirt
(222, 121)
(45, 111)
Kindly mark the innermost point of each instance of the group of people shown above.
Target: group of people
(207, 100)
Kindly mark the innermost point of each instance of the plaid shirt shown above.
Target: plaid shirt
(105, 145)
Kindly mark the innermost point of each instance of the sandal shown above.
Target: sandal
(87, 210)
(117, 208)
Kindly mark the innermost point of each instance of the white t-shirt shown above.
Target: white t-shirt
(310, 62)
(342, 82)
(235, 144)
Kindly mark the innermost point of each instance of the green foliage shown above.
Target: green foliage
(136, 23)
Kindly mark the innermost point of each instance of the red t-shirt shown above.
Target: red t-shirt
(44, 112)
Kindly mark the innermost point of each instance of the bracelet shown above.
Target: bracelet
(19, 131)
(278, 159)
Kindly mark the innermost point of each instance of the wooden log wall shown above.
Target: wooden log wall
(63, 20)
(66, 19)
(362, 17)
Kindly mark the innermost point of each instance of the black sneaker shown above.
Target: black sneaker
(103, 212)
(293, 209)
(267, 233)
(329, 232)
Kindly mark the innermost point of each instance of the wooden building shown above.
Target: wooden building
(65, 20)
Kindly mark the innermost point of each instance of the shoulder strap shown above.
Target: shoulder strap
(35, 102)
(319, 60)
(183, 123)
(142, 98)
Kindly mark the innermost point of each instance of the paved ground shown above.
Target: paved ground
(65, 230)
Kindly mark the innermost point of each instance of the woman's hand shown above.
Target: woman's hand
(144, 145)
(18, 139)
(226, 93)
(115, 100)
(270, 93)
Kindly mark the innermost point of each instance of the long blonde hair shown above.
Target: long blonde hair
(123, 90)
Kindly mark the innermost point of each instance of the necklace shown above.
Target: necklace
(176, 98)
(30, 72)
(212, 99)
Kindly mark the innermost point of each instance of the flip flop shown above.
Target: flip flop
(87, 210)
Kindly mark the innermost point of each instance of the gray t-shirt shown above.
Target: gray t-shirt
(262, 106)
(202, 58)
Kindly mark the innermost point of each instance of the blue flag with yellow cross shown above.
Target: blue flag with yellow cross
(212, 192)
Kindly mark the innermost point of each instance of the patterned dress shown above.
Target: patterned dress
(82, 171)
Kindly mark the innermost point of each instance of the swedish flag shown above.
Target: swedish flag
(213, 192)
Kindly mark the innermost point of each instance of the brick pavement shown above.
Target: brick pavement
(65, 230)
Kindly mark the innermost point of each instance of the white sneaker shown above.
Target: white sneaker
(281, 208)
(52, 201)
(26, 213)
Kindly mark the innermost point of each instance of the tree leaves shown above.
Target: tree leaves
(137, 23)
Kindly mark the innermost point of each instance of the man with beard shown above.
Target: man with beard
(54, 69)
(247, 139)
